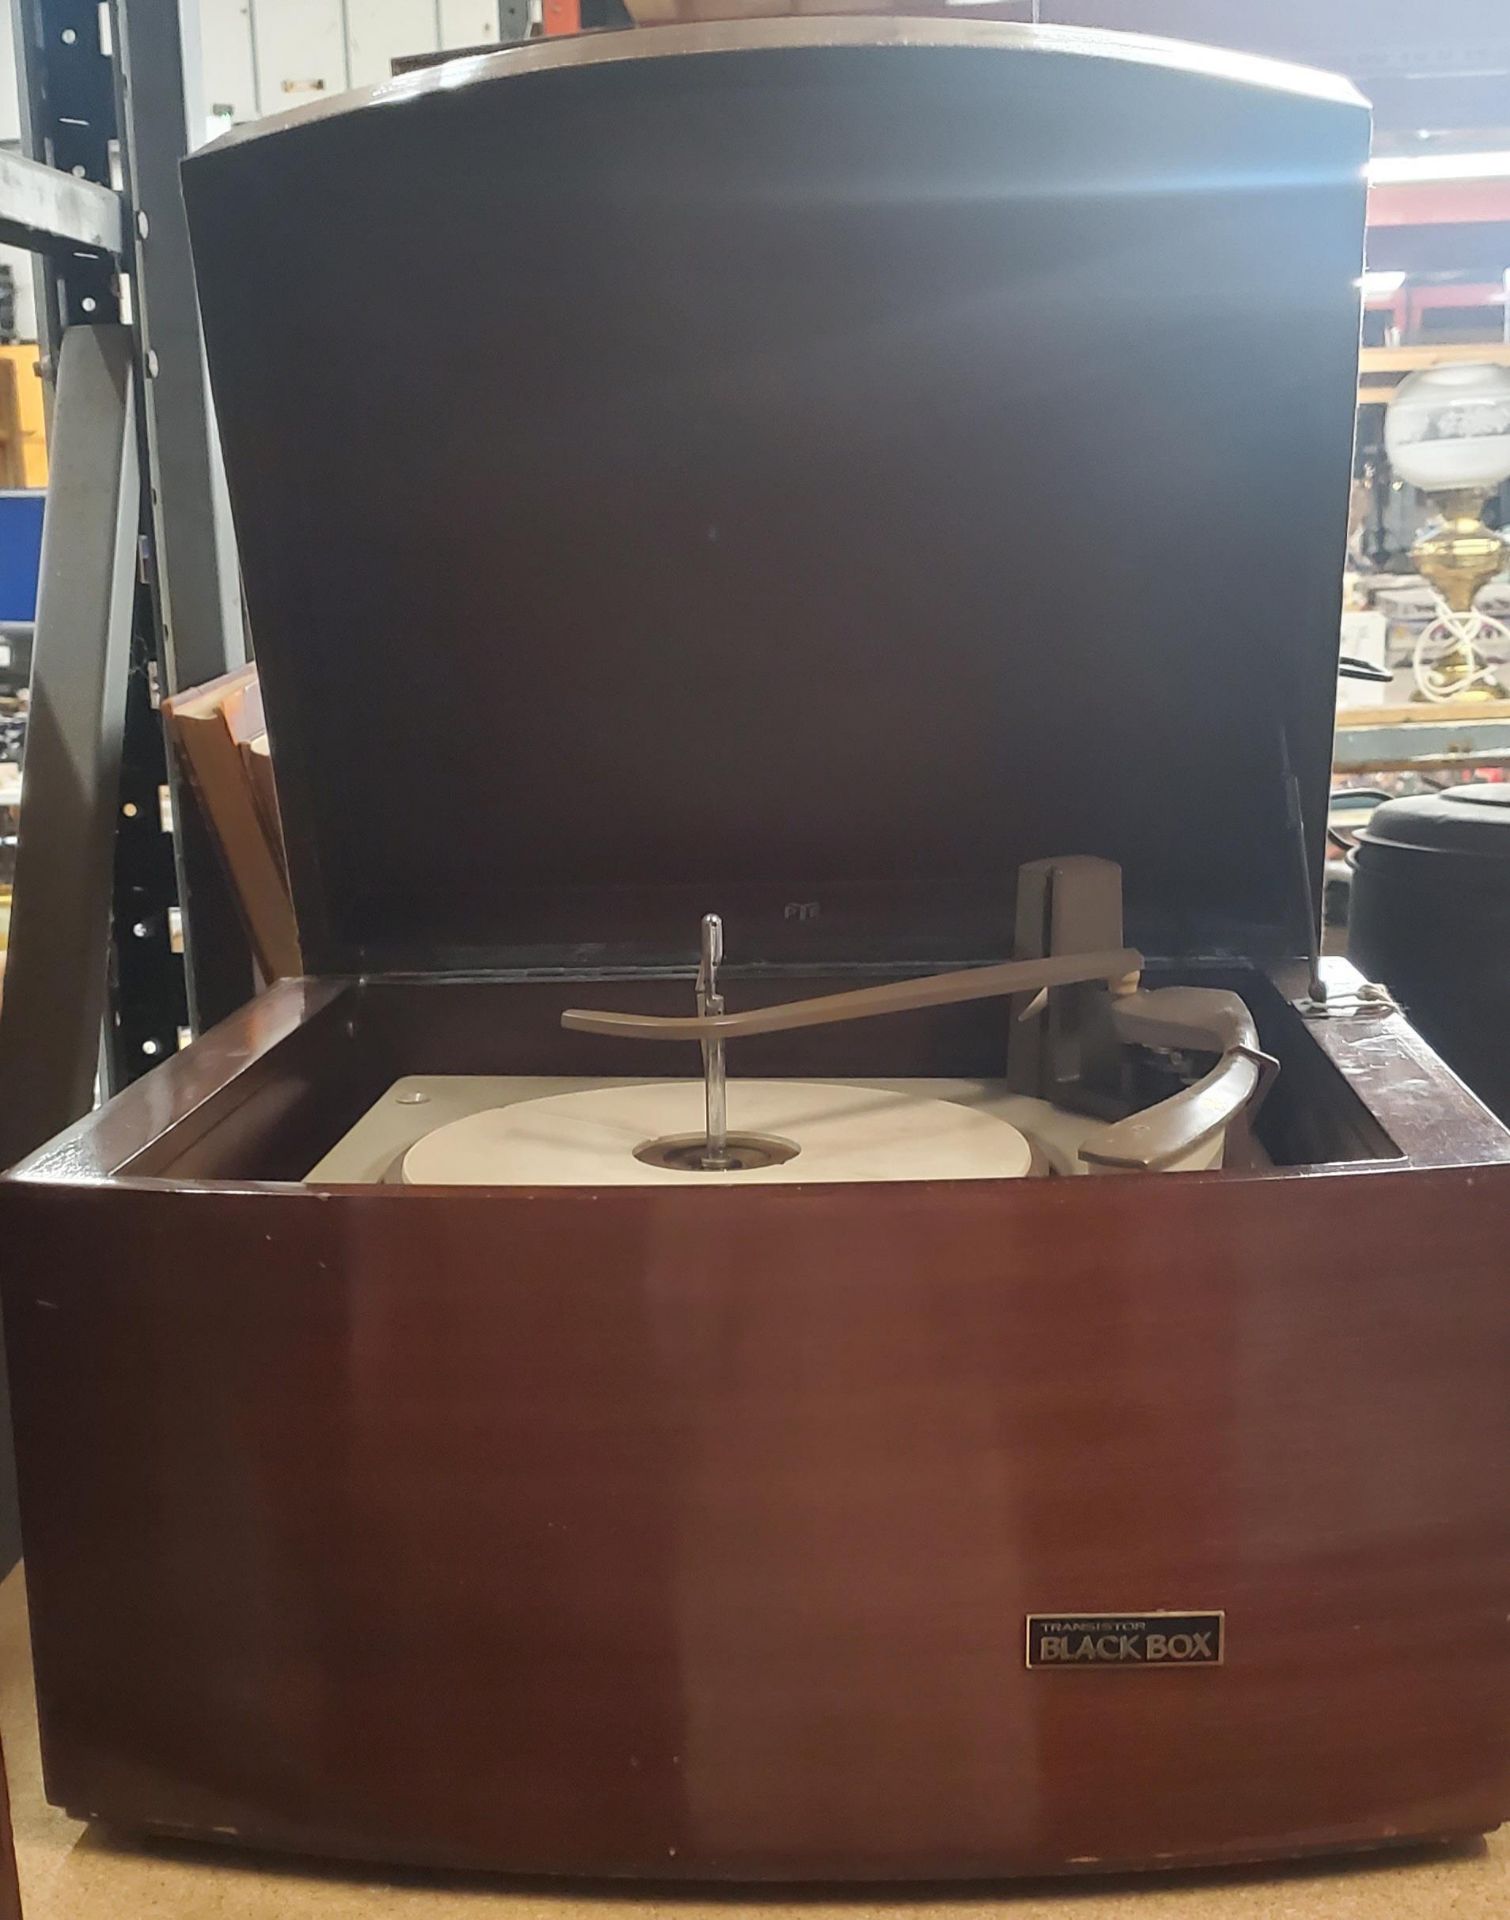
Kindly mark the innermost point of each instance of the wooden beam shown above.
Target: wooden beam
(1407, 359)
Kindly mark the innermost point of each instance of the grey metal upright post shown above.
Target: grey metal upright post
(56, 967)
(194, 553)
(196, 549)
(66, 67)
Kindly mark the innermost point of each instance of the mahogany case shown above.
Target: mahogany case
(837, 488)
(668, 1533)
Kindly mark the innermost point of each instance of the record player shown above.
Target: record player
(812, 1286)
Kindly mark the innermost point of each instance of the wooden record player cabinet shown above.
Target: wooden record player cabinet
(839, 396)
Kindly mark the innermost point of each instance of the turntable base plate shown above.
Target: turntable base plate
(372, 1151)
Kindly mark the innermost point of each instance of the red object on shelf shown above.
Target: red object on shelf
(561, 16)
(1427, 203)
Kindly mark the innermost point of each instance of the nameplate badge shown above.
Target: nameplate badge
(1163, 1639)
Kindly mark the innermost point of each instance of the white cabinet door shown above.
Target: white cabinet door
(228, 75)
(468, 23)
(10, 93)
(380, 30)
(301, 51)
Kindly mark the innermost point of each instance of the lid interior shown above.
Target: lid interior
(799, 472)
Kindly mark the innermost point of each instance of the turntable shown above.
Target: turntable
(1100, 1041)
(814, 1285)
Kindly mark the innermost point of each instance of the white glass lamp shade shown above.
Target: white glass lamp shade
(1448, 428)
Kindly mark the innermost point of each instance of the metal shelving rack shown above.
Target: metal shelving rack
(138, 592)
(1423, 739)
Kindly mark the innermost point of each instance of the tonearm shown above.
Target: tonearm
(1057, 1036)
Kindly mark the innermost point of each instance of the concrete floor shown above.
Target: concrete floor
(73, 1872)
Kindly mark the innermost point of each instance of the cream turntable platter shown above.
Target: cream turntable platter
(783, 1131)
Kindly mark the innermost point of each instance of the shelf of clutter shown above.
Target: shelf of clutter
(1420, 738)
(1386, 727)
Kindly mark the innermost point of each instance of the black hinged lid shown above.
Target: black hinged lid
(802, 468)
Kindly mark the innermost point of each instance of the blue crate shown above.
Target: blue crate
(20, 552)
